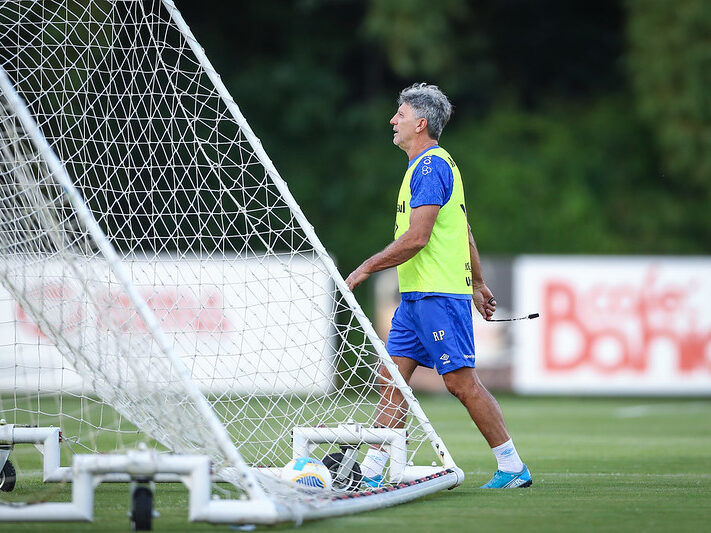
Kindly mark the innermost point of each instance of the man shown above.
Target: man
(439, 273)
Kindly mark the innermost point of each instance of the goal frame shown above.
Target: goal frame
(414, 405)
(88, 471)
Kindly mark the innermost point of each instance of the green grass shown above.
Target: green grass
(598, 465)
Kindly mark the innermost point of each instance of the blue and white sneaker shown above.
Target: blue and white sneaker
(373, 482)
(509, 480)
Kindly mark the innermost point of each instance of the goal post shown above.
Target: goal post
(161, 285)
(22, 133)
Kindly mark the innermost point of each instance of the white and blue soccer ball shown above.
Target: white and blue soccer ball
(309, 472)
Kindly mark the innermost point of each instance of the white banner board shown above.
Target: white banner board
(258, 325)
(613, 325)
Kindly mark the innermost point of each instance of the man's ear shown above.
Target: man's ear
(421, 125)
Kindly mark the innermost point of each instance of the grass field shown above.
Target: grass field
(598, 465)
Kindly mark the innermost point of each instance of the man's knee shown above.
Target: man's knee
(459, 390)
(463, 384)
(388, 391)
(405, 367)
(384, 377)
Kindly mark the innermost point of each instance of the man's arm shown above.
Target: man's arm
(483, 297)
(422, 221)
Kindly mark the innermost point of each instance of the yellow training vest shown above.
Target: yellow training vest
(443, 265)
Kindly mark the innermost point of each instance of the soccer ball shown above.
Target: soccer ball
(309, 472)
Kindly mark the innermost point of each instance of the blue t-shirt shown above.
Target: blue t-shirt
(431, 183)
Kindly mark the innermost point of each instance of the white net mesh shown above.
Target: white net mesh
(207, 232)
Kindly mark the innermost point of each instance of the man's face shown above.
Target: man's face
(405, 126)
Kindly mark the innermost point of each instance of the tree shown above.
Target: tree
(670, 66)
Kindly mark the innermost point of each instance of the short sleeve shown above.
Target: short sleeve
(432, 182)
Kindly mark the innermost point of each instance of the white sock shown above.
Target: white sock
(507, 457)
(374, 462)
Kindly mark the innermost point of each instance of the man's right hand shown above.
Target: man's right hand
(358, 276)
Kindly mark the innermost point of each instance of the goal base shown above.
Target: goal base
(394, 441)
(88, 471)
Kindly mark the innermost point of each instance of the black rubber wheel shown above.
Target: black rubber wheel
(142, 509)
(7, 477)
(353, 478)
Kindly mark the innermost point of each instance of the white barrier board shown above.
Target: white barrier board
(613, 325)
(255, 325)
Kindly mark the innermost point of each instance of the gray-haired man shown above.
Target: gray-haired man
(439, 274)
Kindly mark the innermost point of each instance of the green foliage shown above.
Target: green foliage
(417, 36)
(670, 65)
(567, 179)
(554, 153)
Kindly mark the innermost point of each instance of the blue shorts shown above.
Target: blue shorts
(435, 331)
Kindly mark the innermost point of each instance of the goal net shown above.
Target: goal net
(159, 283)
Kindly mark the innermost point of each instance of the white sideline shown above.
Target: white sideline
(651, 409)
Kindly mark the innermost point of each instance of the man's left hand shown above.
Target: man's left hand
(484, 301)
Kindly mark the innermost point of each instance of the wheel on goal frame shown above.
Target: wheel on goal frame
(8, 477)
(141, 508)
(350, 479)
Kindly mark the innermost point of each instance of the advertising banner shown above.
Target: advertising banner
(613, 325)
(238, 325)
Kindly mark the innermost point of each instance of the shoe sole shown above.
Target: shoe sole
(523, 485)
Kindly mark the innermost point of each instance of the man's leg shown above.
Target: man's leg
(392, 413)
(483, 408)
(392, 407)
(486, 413)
